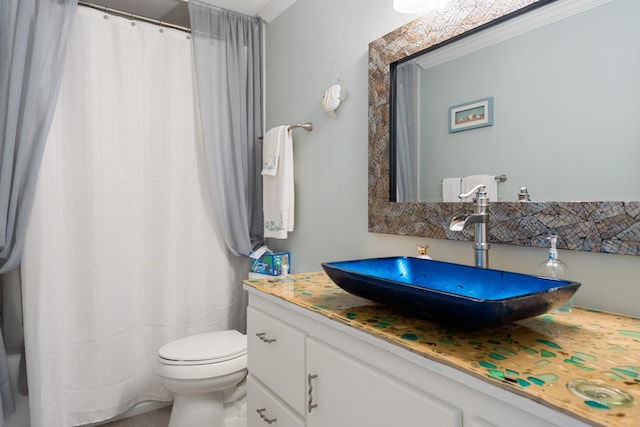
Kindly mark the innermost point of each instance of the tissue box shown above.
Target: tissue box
(271, 264)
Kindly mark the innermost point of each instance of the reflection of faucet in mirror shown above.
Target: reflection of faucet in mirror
(480, 218)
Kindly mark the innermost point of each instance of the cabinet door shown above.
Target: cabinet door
(479, 422)
(343, 391)
(264, 409)
(275, 355)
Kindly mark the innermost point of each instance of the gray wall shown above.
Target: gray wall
(307, 48)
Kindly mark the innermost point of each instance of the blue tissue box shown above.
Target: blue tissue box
(271, 264)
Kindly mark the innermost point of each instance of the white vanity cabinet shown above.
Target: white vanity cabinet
(344, 391)
(276, 361)
(294, 374)
(276, 357)
(306, 369)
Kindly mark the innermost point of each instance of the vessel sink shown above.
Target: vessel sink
(454, 294)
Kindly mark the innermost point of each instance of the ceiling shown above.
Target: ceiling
(176, 11)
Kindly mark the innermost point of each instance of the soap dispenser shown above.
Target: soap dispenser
(555, 268)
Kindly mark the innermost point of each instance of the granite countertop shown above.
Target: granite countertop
(534, 358)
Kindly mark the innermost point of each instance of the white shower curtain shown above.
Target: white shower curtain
(122, 254)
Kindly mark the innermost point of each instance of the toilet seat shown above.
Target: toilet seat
(204, 349)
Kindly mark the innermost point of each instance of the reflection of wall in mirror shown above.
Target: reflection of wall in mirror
(557, 146)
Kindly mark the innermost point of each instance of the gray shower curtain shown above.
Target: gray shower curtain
(33, 42)
(407, 133)
(226, 48)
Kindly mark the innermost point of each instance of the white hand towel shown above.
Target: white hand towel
(451, 189)
(489, 181)
(277, 183)
(271, 149)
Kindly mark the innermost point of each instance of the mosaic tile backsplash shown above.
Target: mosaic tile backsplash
(535, 358)
(606, 227)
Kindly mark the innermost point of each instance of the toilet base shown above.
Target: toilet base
(207, 410)
(201, 409)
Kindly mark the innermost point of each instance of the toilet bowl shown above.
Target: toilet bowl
(206, 374)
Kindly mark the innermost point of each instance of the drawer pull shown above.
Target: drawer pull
(310, 404)
(261, 412)
(263, 338)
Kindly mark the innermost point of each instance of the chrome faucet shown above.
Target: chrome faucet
(479, 217)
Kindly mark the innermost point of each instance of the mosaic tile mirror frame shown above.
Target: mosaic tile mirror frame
(606, 226)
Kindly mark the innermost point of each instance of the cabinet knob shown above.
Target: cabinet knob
(310, 404)
(263, 337)
(261, 412)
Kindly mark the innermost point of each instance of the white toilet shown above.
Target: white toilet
(206, 374)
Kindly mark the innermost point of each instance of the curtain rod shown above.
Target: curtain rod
(134, 16)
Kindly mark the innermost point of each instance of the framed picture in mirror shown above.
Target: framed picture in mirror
(471, 115)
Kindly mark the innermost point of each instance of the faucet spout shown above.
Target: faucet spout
(460, 222)
(480, 219)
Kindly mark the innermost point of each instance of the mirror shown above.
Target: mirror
(597, 226)
(559, 95)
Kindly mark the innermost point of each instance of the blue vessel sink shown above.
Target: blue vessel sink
(454, 294)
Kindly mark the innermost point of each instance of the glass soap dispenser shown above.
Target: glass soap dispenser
(555, 268)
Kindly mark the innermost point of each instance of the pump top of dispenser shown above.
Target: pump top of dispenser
(553, 250)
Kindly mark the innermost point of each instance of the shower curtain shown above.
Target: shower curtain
(122, 253)
(226, 49)
(33, 42)
(408, 133)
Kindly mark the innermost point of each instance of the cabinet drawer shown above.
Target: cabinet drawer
(276, 356)
(264, 409)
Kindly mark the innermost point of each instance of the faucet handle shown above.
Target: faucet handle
(480, 188)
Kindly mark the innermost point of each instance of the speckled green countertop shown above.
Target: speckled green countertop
(535, 358)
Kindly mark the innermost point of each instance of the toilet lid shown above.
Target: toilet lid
(211, 347)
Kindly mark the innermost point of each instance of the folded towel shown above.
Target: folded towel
(451, 189)
(489, 181)
(271, 149)
(277, 182)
